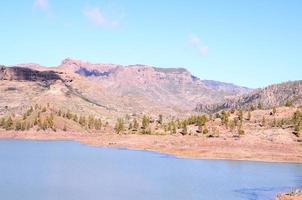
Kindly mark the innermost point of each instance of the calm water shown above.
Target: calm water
(32, 170)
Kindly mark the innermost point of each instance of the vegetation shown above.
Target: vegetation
(119, 126)
(44, 118)
(41, 117)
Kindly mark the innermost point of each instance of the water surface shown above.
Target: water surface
(32, 170)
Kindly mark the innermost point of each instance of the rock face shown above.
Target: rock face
(271, 96)
(165, 86)
(26, 74)
(114, 89)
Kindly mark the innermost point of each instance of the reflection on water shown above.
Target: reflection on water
(31, 170)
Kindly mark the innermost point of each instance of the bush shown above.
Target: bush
(288, 103)
(241, 132)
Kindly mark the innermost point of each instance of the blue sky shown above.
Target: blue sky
(249, 43)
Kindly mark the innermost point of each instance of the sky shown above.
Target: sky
(248, 43)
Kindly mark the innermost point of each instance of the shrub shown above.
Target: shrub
(205, 131)
(288, 103)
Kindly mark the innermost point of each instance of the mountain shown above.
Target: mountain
(221, 86)
(109, 89)
(272, 96)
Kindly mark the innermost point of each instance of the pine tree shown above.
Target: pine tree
(249, 116)
(225, 118)
(68, 115)
(173, 127)
(240, 131)
(274, 110)
(50, 121)
(240, 116)
(2, 122)
(130, 126)
(18, 126)
(288, 103)
(160, 119)
(75, 118)
(98, 124)
(145, 122)
(119, 126)
(8, 123)
(82, 121)
(263, 121)
(274, 122)
(90, 122)
(205, 131)
(184, 128)
(135, 124)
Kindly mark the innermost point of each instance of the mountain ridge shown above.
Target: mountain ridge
(116, 89)
(276, 95)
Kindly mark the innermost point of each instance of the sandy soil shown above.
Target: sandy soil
(287, 197)
(246, 148)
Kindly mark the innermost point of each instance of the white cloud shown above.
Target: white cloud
(194, 40)
(97, 18)
(41, 5)
(195, 43)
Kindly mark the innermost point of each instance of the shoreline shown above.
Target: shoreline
(187, 147)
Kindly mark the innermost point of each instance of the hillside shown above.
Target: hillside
(289, 93)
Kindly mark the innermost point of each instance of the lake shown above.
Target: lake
(36, 170)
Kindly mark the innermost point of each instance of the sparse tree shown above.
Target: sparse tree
(260, 106)
(8, 123)
(18, 126)
(297, 129)
(82, 121)
(135, 124)
(130, 127)
(98, 124)
(184, 128)
(145, 122)
(263, 121)
(173, 127)
(288, 103)
(64, 128)
(274, 110)
(205, 131)
(119, 126)
(160, 119)
(75, 118)
(249, 116)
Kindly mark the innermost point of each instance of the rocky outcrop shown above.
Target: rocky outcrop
(27, 74)
(169, 87)
(271, 96)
